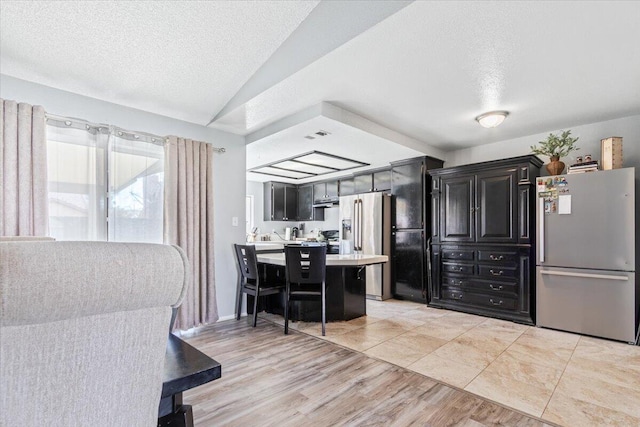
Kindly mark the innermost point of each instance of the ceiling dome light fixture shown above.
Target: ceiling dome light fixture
(492, 119)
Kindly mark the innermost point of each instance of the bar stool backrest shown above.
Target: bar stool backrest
(247, 261)
(305, 264)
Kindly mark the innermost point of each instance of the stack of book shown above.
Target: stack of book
(583, 167)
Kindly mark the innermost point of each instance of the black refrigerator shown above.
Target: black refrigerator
(411, 227)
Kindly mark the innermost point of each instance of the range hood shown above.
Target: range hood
(326, 203)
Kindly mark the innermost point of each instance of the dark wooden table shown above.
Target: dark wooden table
(185, 367)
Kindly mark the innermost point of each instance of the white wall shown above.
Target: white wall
(229, 168)
(589, 143)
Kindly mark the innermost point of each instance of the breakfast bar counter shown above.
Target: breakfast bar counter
(346, 287)
(353, 260)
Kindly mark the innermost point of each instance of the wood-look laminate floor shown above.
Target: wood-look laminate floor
(269, 379)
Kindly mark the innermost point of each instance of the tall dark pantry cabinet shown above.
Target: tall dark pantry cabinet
(483, 233)
(410, 226)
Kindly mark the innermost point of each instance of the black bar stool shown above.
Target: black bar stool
(305, 274)
(249, 279)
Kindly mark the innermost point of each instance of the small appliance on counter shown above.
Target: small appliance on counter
(332, 237)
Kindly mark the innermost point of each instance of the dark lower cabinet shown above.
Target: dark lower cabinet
(494, 281)
(408, 264)
(483, 238)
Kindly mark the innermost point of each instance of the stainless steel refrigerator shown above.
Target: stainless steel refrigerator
(587, 251)
(365, 222)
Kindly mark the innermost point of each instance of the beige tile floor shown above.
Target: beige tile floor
(564, 378)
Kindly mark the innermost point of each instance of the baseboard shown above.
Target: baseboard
(231, 316)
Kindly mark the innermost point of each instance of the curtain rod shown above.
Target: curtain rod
(121, 132)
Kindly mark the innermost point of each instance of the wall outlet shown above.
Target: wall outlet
(234, 221)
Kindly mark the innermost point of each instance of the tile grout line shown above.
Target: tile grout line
(561, 375)
(496, 358)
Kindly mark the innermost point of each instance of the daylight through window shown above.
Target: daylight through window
(104, 183)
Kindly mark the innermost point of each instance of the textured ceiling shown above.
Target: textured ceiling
(425, 69)
(183, 59)
(432, 67)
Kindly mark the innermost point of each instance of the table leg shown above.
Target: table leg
(178, 416)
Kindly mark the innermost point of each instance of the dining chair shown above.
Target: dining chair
(305, 274)
(249, 280)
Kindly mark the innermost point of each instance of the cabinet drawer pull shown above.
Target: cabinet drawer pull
(496, 288)
(495, 303)
(456, 297)
(496, 258)
(460, 283)
(499, 273)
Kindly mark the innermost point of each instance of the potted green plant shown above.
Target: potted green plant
(556, 146)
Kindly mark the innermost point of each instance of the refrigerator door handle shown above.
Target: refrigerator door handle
(585, 275)
(355, 224)
(359, 224)
(541, 227)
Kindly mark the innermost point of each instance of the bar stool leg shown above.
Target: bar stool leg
(286, 311)
(255, 305)
(239, 298)
(324, 312)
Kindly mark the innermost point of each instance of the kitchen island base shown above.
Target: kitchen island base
(346, 288)
(346, 295)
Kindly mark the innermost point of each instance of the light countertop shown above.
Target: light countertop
(332, 260)
(268, 245)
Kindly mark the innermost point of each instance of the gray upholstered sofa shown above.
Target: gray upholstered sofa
(83, 331)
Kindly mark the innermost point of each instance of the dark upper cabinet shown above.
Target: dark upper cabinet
(496, 208)
(347, 187)
(379, 180)
(457, 220)
(305, 200)
(290, 202)
(407, 185)
(382, 180)
(332, 189)
(363, 183)
(280, 201)
(479, 207)
(306, 211)
(325, 190)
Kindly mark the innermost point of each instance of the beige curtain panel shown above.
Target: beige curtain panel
(188, 223)
(23, 170)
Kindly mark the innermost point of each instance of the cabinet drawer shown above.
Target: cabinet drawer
(493, 287)
(497, 270)
(453, 295)
(459, 282)
(457, 254)
(508, 257)
(497, 302)
(453, 267)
